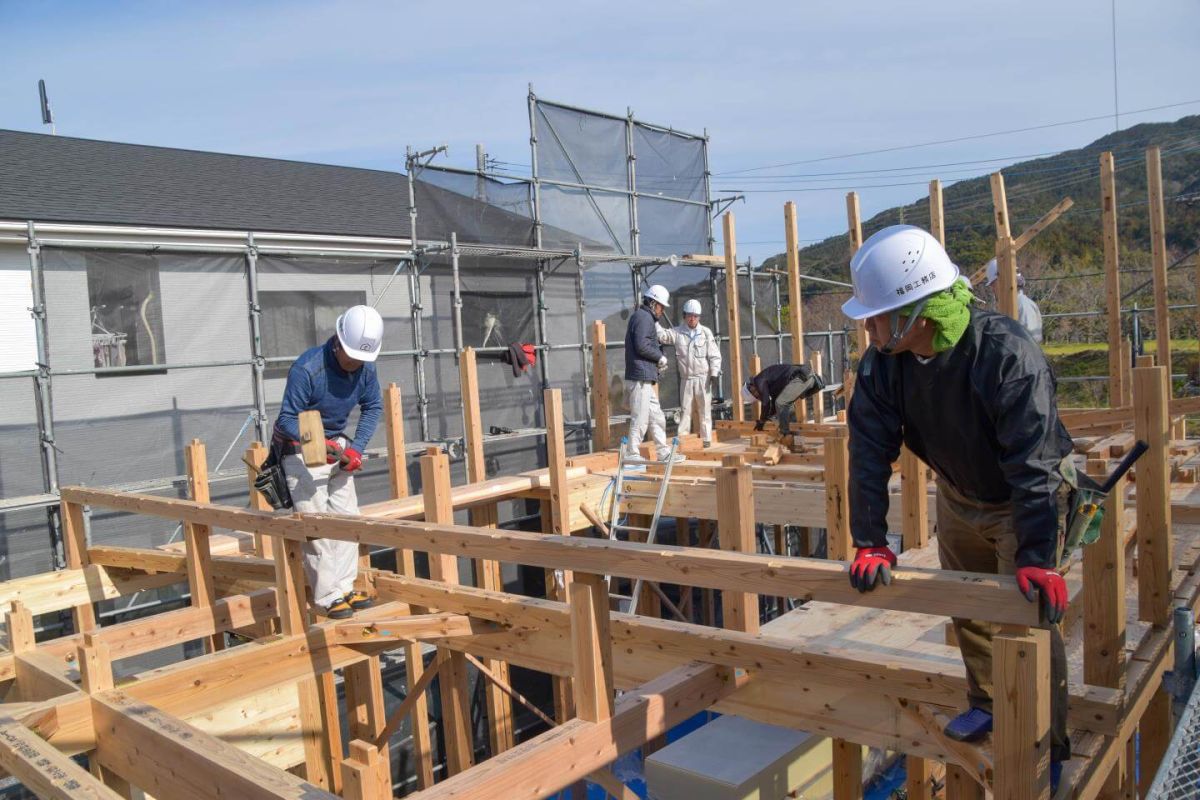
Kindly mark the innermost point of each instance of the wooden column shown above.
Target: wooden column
(795, 295)
(601, 405)
(755, 368)
(453, 683)
(1006, 250)
(818, 399)
(365, 774)
(96, 675)
(735, 529)
(1104, 593)
(1021, 740)
(732, 309)
(196, 544)
(837, 498)
(256, 454)
(1154, 732)
(854, 225)
(847, 770)
(1117, 391)
(960, 785)
(365, 708)
(414, 661)
(937, 214)
(591, 648)
(918, 779)
(556, 519)
(1152, 425)
(1158, 250)
(74, 533)
(488, 574)
(914, 501)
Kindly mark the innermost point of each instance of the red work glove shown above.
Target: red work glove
(333, 452)
(869, 564)
(351, 459)
(1050, 585)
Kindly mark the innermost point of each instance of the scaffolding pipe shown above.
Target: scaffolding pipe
(458, 327)
(585, 367)
(753, 297)
(257, 365)
(631, 177)
(539, 301)
(43, 387)
(716, 327)
(708, 192)
(414, 294)
(535, 183)
(778, 317)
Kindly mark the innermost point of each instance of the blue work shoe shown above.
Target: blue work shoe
(1055, 776)
(970, 726)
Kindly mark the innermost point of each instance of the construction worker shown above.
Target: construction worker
(971, 394)
(1028, 313)
(333, 378)
(777, 388)
(644, 363)
(698, 355)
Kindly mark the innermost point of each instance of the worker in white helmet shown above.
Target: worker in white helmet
(333, 378)
(644, 364)
(972, 395)
(698, 355)
(1028, 313)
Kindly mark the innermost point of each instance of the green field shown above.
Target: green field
(1150, 346)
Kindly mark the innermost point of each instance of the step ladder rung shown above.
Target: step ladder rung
(638, 494)
(629, 528)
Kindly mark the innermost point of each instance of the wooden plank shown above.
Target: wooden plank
(847, 770)
(1021, 741)
(74, 533)
(1158, 251)
(254, 456)
(733, 315)
(735, 528)
(168, 757)
(196, 545)
(312, 438)
(1152, 425)
(937, 215)
(591, 647)
(44, 770)
(601, 405)
(914, 500)
(837, 496)
(854, 226)
(1104, 595)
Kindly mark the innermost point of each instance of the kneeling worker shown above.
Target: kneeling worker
(699, 357)
(971, 394)
(332, 378)
(777, 388)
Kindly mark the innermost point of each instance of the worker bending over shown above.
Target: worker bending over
(778, 388)
(971, 394)
(698, 355)
(332, 378)
(644, 363)
(1028, 313)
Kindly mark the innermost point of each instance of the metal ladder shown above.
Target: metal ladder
(633, 470)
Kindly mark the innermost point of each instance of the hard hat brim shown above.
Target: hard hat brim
(855, 310)
(357, 355)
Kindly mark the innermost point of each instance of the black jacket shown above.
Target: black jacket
(982, 414)
(642, 350)
(771, 381)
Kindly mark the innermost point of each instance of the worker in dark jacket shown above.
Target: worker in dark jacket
(778, 388)
(644, 363)
(971, 394)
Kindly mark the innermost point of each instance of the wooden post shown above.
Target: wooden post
(1158, 250)
(453, 681)
(96, 675)
(591, 648)
(1112, 277)
(1152, 425)
(837, 497)
(19, 621)
(1000, 206)
(937, 214)
(196, 544)
(366, 710)
(818, 399)
(1126, 373)
(1104, 593)
(914, 501)
(500, 730)
(1006, 251)
(1021, 741)
(312, 438)
(255, 455)
(394, 418)
(735, 528)
(960, 785)
(854, 225)
(735, 329)
(74, 533)
(795, 295)
(1154, 731)
(556, 462)
(847, 770)
(755, 368)
(601, 406)
(365, 774)
(919, 778)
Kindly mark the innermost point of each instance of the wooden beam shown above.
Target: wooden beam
(1117, 393)
(74, 533)
(1021, 741)
(854, 225)
(735, 528)
(1000, 206)
(312, 438)
(254, 457)
(734, 312)
(937, 214)
(795, 290)
(1043, 222)
(1152, 425)
(44, 770)
(168, 757)
(196, 545)
(914, 500)
(1104, 594)
(591, 647)
(416, 693)
(601, 406)
(1158, 251)
(837, 495)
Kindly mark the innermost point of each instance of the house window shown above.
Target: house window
(126, 310)
(293, 321)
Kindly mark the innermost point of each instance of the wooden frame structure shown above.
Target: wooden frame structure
(262, 719)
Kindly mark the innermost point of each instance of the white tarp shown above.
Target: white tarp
(18, 340)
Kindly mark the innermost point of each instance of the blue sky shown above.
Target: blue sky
(354, 82)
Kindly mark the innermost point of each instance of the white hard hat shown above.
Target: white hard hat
(691, 307)
(746, 396)
(899, 265)
(659, 294)
(360, 330)
(993, 272)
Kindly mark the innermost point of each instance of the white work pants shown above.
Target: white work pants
(645, 413)
(331, 566)
(696, 392)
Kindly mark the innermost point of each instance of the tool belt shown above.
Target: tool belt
(270, 480)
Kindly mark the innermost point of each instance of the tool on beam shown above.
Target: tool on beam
(1085, 511)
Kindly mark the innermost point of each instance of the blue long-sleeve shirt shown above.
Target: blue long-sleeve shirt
(316, 380)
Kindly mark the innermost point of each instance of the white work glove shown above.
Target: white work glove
(662, 365)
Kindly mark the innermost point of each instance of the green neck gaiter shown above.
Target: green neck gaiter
(950, 311)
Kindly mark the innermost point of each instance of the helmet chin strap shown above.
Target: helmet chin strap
(897, 333)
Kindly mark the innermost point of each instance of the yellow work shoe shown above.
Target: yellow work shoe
(358, 601)
(338, 609)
